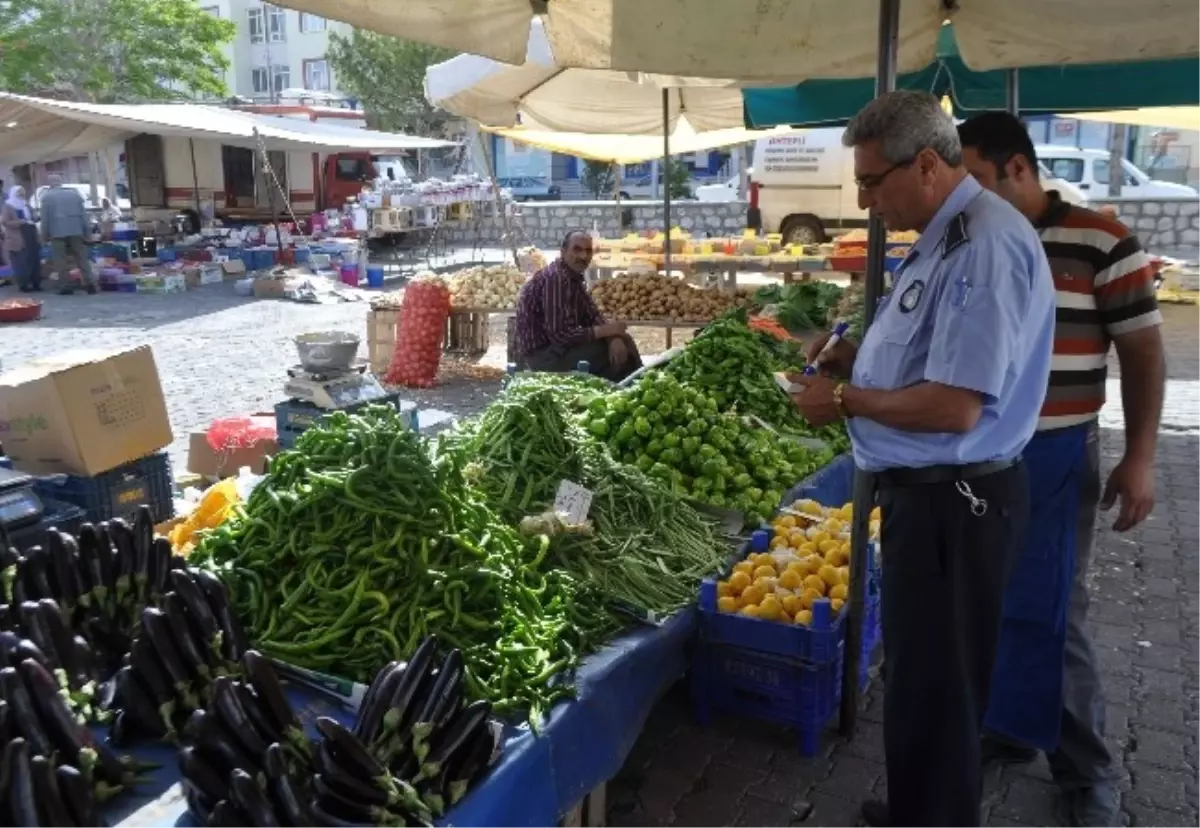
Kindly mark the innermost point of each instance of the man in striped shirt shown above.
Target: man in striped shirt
(1046, 690)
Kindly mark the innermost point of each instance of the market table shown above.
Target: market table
(725, 268)
(538, 778)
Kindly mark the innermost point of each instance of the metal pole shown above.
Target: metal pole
(498, 205)
(262, 149)
(666, 179)
(196, 184)
(1012, 86)
(864, 486)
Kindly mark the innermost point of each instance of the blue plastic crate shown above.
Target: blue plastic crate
(55, 515)
(117, 492)
(790, 692)
(293, 417)
(819, 643)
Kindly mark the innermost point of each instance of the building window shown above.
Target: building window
(311, 22)
(276, 23)
(273, 79)
(316, 75)
(254, 18)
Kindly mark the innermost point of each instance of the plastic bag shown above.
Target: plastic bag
(231, 433)
(420, 332)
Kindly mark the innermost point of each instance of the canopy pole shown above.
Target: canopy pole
(617, 195)
(500, 207)
(196, 184)
(1012, 86)
(864, 484)
(666, 179)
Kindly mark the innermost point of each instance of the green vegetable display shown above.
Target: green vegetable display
(678, 435)
(801, 306)
(357, 545)
(643, 547)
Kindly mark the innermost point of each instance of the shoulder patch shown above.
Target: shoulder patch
(955, 235)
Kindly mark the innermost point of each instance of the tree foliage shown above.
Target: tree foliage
(109, 51)
(387, 75)
(679, 180)
(599, 177)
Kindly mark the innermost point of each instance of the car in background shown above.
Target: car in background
(530, 188)
(642, 187)
(1087, 170)
(723, 192)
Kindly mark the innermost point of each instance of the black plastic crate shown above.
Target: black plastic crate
(62, 516)
(117, 492)
(294, 417)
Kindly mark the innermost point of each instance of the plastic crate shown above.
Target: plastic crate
(293, 417)
(819, 643)
(117, 492)
(55, 515)
(790, 692)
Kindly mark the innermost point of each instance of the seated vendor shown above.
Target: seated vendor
(558, 324)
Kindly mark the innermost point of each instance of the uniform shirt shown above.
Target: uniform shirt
(972, 306)
(63, 213)
(555, 308)
(1104, 287)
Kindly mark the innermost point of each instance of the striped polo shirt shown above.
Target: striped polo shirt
(1104, 288)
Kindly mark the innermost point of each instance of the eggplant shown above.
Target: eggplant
(262, 677)
(201, 773)
(5, 771)
(228, 708)
(226, 815)
(89, 563)
(75, 568)
(251, 800)
(27, 649)
(36, 573)
(160, 565)
(123, 732)
(84, 659)
(122, 559)
(157, 627)
(456, 736)
(50, 798)
(435, 704)
(199, 804)
(198, 610)
(137, 702)
(22, 808)
(64, 566)
(193, 651)
(289, 796)
(346, 783)
(465, 769)
(345, 807)
(223, 751)
(146, 664)
(104, 557)
(349, 752)
(374, 705)
(327, 820)
(233, 637)
(77, 794)
(403, 703)
(6, 723)
(143, 539)
(257, 714)
(54, 623)
(24, 714)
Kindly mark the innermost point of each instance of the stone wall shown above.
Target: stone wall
(1162, 226)
(544, 223)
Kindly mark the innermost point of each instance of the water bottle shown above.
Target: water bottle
(583, 367)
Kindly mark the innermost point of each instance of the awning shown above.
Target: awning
(633, 149)
(1174, 117)
(37, 129)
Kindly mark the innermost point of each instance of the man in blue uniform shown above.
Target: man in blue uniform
(941, 399)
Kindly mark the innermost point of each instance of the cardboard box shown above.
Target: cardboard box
(233, 268)
(203, 459)
(191, 277)
(83, 412)
(211, 276)
(270, 288)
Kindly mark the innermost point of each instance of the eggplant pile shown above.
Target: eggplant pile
(53, 771)
(43, 633)
(180, 660)
(245, 759)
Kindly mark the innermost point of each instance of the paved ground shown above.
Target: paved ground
(219, 354)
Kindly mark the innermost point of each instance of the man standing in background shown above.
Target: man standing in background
(65, 227)
(1046, 690)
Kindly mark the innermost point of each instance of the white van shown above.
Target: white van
(1087, 169)
(803, 185)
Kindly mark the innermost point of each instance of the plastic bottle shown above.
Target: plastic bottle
(583, 367)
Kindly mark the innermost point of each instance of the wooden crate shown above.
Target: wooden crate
(381, 338)
(467, 332)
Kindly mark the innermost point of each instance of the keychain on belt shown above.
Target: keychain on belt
(978, 504)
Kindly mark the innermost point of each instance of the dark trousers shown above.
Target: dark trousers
(944, 573)
(27, 263)
(557, 359)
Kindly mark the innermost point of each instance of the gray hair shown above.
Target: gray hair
(904, 123)
(54, 179)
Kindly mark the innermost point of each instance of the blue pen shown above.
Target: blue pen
(839, 330)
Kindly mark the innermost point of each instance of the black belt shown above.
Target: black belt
(892, 478)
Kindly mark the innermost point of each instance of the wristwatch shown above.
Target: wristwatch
(837, 399)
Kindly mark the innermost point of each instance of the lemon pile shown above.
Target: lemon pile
(809, 559)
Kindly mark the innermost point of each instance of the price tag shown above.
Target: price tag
(572, 502)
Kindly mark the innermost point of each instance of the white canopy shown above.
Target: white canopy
(37, 129)
(632, 149)
(541, 95)
(770, 39)
(1175, 117)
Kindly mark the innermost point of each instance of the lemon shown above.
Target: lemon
(805, 549)
(770, 608)
(834, 557)
(874, 529)
(764, 571)
(796, 538)
(767, 583)
(825, 546)
(751, 610)
(803, 617)
(744, 566)
(753, 594)
(727, 604)
(739, 580)
(846, 512)
(833, 526)
(838, 592)
(876, 514)
(816, 583)
(790, 579)
(836, 604)
(724, 589)
(792, 605)
(809, 507)
(779, 541)
(829, 575)
(808, 597)
(785, 521)
(816, 535)
(844, 571)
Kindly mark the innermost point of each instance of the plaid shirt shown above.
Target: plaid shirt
(555, 309)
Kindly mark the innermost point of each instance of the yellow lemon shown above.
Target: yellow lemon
(779, 541)
(767, 583)
(816, 535)
(829, 575)
(790, 579)
(785, 522)
(844, 571)
(791, 604)
(809, 507)
(770, 608)
(815, 582)
(838, 592)
(763, 571)
(727, 604)
(825, 546)
(814, 563)
(808, 597)
(753, 594)
(744, 566)
(803, 617)
(739, 580)
(724, 589)
(785, 617)
(836, 604)
(833, 526)
(874, 529)
(796, 538)
(846, 512)
(751, 610)
(834, 557)
(876, 514)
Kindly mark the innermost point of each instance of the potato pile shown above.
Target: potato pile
(653, 296)
(486, 286)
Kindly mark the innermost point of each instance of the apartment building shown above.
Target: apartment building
(276, 50)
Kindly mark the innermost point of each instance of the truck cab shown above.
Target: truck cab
(1088, 171)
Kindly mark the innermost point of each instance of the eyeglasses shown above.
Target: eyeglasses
(870, 182)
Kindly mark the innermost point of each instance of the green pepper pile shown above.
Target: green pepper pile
(357, 545)
(643, 547)
(676, 434)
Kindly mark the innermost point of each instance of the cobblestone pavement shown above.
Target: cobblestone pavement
(219, 354)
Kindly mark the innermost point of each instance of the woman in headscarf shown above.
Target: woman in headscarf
(21, 240)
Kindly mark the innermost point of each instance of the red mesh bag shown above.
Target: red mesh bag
(419, 334)
(239, 432)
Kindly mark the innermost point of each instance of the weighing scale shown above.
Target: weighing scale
(333, 389)
(19, 506)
